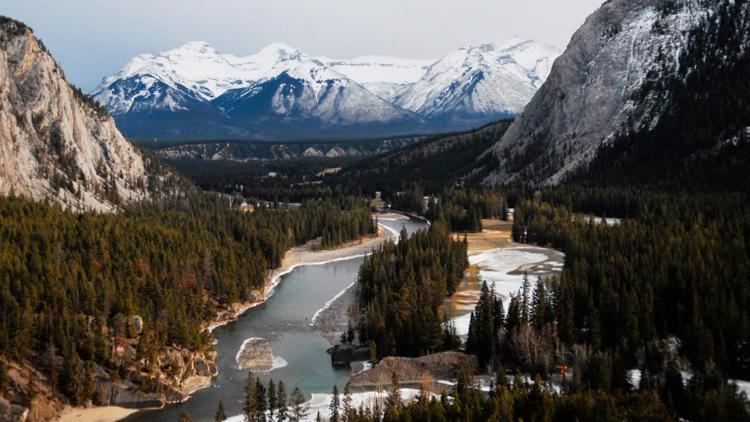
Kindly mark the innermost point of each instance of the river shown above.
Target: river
(284, 319)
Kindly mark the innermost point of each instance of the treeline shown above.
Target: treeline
(344, 226)
(663, 291)
(269, 402)
(294, 180)
(401, 288)
(514, 400)
(462, 210)
(510, 399)
(525, 336)
(434, 163)
(72, 285)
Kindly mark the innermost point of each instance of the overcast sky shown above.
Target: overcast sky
(94, 38)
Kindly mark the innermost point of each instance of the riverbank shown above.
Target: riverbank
(307, 254)
(331, 321)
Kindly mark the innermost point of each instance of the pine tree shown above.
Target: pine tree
(482, 340)
(393, 402)
(525, 291)
(498, 312)
(299, 408)
(539, 306)
(283, 411)
(71, 378)
(272, 399)
(347, 402)
(513, 319)
(260, 400)
(250, 409)
(220, 413)
(335, 405)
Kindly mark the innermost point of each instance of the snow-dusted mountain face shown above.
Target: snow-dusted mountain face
(57, 144)
(196, 92)
(617, 77)
(384, 76)
(486, 81)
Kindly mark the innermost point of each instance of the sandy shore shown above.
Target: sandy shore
(95, 414)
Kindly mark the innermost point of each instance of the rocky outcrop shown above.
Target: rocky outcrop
(590, 95)
(445, 366)
(345, 354)
(56, 143)
(255, 355)
(16, 402)
(248, 151)
(125, 394)
(180, 373)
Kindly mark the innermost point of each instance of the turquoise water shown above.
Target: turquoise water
(284, 320)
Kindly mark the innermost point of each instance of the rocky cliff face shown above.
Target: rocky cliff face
(595, 90)
(55, 143)
(248, 151)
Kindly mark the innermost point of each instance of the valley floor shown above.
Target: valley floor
(493, 257)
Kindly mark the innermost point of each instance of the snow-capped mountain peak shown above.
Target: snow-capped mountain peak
(169, 80)
(200, 47)
(484, 79)
(278, 52)
(384, 76)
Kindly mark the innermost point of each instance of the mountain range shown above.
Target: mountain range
(196, 92)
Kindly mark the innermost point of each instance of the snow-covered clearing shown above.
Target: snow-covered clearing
(503, 268)
(320, 402)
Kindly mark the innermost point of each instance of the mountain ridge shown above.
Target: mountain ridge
(284, 93)
(598, 90)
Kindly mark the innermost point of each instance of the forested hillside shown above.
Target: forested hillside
(79, 286)
(432, 164)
